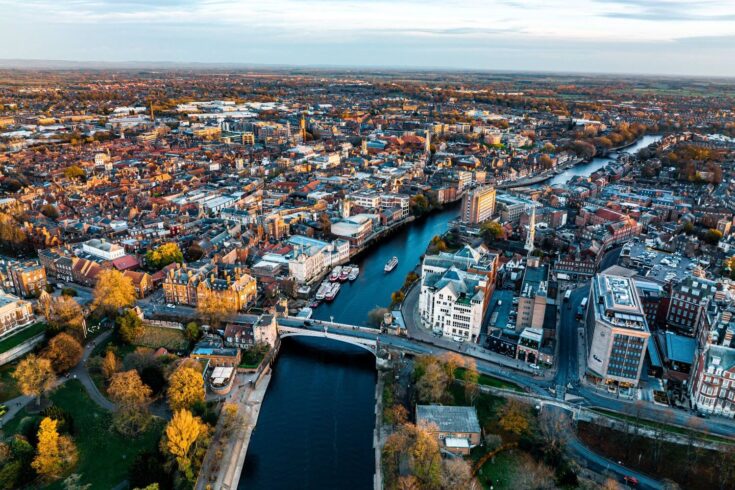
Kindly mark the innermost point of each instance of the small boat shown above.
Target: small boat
(333, 291)
(354, 273)
(335, 273)
(345, 273)
(314, 304)
(305, 313)
(392, 263)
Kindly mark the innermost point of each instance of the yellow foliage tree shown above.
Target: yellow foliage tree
(113, 291)
(514, 417)
(55, 454)
(35, 376)
(182, 432)
(213, 308)
(110, 364)
(185, 387)
(127, 390)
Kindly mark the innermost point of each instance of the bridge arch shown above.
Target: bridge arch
(364, 344)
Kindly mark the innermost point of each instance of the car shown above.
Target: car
(170, 305)
(630, 480)
(534, 366)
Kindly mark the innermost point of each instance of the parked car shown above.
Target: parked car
(630, 480)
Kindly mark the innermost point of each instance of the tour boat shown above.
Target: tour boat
(335, 273)
(345, 273)
(354, 273)
(392, 263)
(332, 293)
(323, 290)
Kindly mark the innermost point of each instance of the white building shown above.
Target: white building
(453, 289)
(103, 249)
(311, 257)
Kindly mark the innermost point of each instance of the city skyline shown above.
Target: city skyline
(662, 37)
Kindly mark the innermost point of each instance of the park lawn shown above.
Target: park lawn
(8, 386)
(104, 455)
(500, 471)
(170, 338)
(20, 337)
(486, 380)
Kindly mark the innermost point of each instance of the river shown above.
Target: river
(597, 163)
(315, 429)
(373, 287)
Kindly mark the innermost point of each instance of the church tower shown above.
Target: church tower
(531, 230)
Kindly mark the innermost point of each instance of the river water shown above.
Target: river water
(586, 169)
(315, 429)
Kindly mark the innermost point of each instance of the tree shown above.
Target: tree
(166, 254)
(433, 385)
(74, 172)
(65, 313)
(491, 230)
(128, 390)
(193, 331)
(471, 377)
(213, 308)
(64, 352)
(456, 473)
(186, 387)
(50, 211)
(181, 433)
(113, 291)
(132, 397)
(712, 236)
(130, 326)
(514, 417)
(110, 364)
(55, 454)
(397, 297)
(425, 459)
(35, 376)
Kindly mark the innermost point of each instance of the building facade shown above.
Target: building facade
(478, 205)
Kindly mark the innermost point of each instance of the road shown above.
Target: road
(79, 372)
(567, 364)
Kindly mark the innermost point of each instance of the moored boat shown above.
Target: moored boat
(354, 273)
(332, 293)
(335, 273)
(345, 273)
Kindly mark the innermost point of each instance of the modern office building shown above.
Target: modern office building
(617, 331)
(478, 205)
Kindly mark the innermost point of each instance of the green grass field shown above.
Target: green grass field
(8, 386)
(489, 381)
(104, 455)
(18, 338)
(155, 337)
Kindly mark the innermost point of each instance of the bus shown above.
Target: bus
(582, 309)
(567, 295)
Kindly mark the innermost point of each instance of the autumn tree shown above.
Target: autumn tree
(113, 291)
(64, 313)
(130, 326)
(186, 387)
(110, 364)
(433, 385)
(213, 308)
(417, 447)
(514, 417)
(457, 473)
(132, 397)
(35, 376)
(471, 378)
(64, 352)
(183, 433)
(55, 454)
(166, 254)
(74, 172)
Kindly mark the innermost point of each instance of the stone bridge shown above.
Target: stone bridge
(363, 337)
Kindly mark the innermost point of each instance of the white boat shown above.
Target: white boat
(333, 291)
(335, 273)
(345, 273)
(392, 263)
(323, 290)
(354, 273)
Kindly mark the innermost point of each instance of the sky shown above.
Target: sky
(677, 37)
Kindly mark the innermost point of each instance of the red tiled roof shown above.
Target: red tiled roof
(125, 262)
